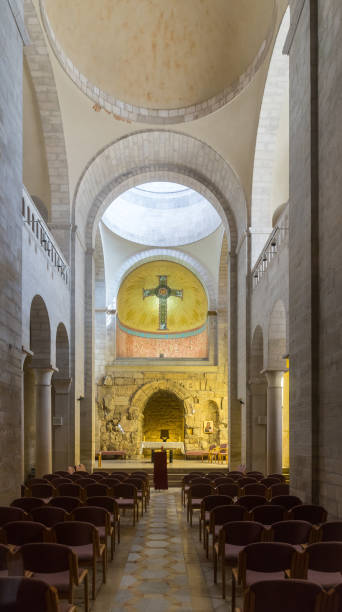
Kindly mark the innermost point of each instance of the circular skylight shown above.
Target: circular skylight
(161, 214)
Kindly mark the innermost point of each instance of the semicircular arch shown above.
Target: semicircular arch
(142, 395)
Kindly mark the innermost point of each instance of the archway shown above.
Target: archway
(164, 411)
(258, 403)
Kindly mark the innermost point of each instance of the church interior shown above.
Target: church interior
(171, 293)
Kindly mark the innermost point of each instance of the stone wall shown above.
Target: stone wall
(123, 395)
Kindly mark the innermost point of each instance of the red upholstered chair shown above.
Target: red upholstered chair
(49, 515)
(255, 488)
(208, 503)
(330, 532)
(231, 489)
(96, 488)
(251, 501)
(71, 490)
(26, 503)
(44, 491)
(288, 501)
(83, 539)
(60, 481)
(263, 561)
(109, 504)
(196, 493)
(63, 473)
(35, 481)
(336, 600)
(267, 514)
(285, 596)
(5, 560)
(145, 477)
(187, 481)
(213, 475)
(218, 517)
(85, 481)
(98, 476)
(51, 477)
(126, 497)
(236, 474)
(110, 483)
(292, 532)
(233, 537)
(323, 563)
(308, 512)
(12, 513)
(100, 518)
(122, 476)
(247, 480)
(66, 502)
(222, 480)
(18, 594)
(75, 477)
(140, 484)
(56, 565)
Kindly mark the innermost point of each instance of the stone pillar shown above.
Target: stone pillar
(274, 421)
(43, 420)
(61, 437)
(258, 420)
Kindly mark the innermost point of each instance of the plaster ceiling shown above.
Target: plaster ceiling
(158, 54)
(183, 313)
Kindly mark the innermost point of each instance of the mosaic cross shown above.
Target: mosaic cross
(163, 292)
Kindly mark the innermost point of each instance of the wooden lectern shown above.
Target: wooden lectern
(160, 470)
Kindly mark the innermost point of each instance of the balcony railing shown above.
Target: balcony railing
(42, 234)
(270, 250)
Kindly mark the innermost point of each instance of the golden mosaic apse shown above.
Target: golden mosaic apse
(162, 297)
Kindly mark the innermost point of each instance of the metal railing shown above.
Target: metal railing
(42, 234)
(269, 251)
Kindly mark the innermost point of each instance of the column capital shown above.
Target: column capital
(25, 352)
(61, 385)
(274, 377)
(43, 375)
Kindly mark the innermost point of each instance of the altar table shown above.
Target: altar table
(165, 445)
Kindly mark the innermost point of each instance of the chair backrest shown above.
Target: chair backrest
(128, 491)
(211, 501)
(200, 490)
(63, 473)
(104, 501)
(292, 532)
(213, 475)
(47, 557)
(23, 532)
(267, 514)
(75, 533)
(251, 501)
(42, 490)
(279, 477)
(49, 515)
(67, 502)
(18, 594)
(198, 481)
(92, 514)
(27, 503)
(60, 481)
(70, 490)
(222, 480)
(51, 477)
(230, 489)
(268, 482)
(34, 481)
(142, 474)
(119, 475)
(288, 501)
(84, 482)
(283, 596)
(96, 488)
(5, 554)
(267, 557)
(12, 513)
(256, 488)
(110, 482)
(247, 480)
(324, 556)
(257, 475)
(309, 512)
(241, 533)
(98, 476)
(75, 477)
(281, 488)
(82, 472)
(224, 514)
(330, 531)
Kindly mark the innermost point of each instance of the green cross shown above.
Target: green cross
(163, 292)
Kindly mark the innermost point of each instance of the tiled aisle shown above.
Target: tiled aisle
(165, 569)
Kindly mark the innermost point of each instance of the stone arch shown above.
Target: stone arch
(164, 156)
(38, 60)
(277, 337)
(163, 410)
(171, 255)
(277, 85)
(40, 333)
(142, 395)
(257, 352)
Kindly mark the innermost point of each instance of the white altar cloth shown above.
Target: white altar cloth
(165, 445)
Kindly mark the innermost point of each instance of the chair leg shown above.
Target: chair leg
(104, 566)
(200, 529)
(86, 593)
(112, 545)
(215, 564)
(233, 592)
(223, 570)
(94, 579)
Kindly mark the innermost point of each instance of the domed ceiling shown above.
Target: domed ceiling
(162, 297)
(157, 54)
(161, 214)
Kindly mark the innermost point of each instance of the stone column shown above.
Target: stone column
(43, 420)
(258, 419)
(60, 432)
(274, 420)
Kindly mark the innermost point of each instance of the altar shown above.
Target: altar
(165, 445)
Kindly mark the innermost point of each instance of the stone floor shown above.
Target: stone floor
(160, 566)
